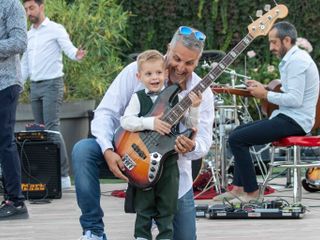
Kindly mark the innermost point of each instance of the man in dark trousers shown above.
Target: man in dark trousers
(13, 41)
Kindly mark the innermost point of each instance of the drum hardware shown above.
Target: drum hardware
(218, 101)
(256, 154)
(211, 64)
(209, 176)
(227, 119)
(234, 73)
(211, 56)
(228, 112)
(223, 143)
(215, 176)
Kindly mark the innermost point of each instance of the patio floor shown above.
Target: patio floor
(59, 220)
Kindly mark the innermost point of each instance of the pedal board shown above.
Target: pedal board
(224, 211)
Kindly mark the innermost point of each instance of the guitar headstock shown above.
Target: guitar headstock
(263, 24)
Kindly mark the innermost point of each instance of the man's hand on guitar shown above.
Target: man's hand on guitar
(195, 98)
(257, 89)
(185, 144)
(115, 164)
(161, 126)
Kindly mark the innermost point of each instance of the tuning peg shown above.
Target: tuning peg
(259, 13)
(267, 7)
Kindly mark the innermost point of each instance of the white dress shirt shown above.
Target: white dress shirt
(108, 113)
(43, 58)
(299, 86)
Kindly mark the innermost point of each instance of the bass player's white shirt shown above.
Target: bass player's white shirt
(108, 113)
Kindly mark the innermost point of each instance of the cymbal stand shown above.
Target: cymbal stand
(224, 161)
(210, 164)
(222, 131)
(222, 149)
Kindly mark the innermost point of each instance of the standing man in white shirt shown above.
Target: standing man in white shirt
(42, 63)
(183, 54)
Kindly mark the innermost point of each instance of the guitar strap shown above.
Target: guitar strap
(146, 105)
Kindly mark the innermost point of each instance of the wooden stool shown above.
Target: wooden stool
(295, 143)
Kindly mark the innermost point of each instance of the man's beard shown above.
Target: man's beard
(34, 19)
(283, 52)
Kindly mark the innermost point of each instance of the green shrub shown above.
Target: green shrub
(224, 22)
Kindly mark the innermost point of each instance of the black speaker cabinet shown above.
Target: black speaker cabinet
(40, 168)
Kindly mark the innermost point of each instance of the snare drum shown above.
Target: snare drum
(227, 113)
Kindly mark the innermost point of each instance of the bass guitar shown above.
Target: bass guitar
(144, 152)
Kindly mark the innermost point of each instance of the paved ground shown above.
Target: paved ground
(59, 220)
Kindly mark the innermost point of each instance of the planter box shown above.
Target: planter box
(74, 121)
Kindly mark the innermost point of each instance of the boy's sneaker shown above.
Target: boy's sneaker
(90, 236)
(9, 211)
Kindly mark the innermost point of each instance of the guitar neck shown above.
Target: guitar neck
(173, 116)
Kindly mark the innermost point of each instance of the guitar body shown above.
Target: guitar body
(267, 108)
(143, 153)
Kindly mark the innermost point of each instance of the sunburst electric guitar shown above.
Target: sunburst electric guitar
(144, 152)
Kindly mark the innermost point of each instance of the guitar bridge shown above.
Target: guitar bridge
(128, 162)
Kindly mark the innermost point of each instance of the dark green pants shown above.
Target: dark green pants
(158, 203)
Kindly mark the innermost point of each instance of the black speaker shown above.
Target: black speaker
(40, 168)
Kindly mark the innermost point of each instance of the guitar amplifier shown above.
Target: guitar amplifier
(40, 169)
(31, 136)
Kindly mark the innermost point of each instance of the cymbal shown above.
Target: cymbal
(229, 90)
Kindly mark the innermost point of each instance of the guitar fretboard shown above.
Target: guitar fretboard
(173, 116)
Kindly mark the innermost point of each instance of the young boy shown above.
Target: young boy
(159, 202)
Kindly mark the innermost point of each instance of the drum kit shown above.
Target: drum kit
(215, 167)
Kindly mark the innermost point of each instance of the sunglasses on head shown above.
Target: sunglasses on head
(184, 30)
